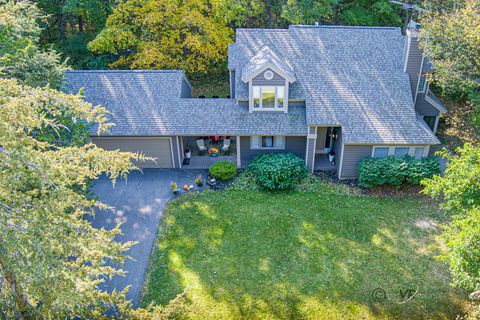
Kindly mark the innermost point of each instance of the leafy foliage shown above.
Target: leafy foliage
(149, 34)
(308, 11)
(52, 257)
(278, 171)
(223, 170)
(460, 191)
(20, 55)
(374, 172)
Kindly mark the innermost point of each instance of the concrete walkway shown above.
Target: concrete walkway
(139, 203)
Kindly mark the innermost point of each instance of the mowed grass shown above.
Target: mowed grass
(260, 255)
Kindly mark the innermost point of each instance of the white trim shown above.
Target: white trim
(276, 107)
(435, 127)
(265, 67)
(171, 150)
(178, 154)
(239, 159)
(306, 151)
(250, 97)
(407, 53)
(434, 103)
(341, 162)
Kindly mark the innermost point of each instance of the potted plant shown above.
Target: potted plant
(331, 156)
(213, 152)
(188, 153)
(175, 189)
(199, 181)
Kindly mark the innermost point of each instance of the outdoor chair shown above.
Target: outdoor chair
(201, 146)
(226, 146)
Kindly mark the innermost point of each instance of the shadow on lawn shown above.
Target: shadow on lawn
(293, 256)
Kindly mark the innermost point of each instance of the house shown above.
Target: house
(348, 92)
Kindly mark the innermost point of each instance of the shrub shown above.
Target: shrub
(374, 172)
(223, 170)
(278, 171)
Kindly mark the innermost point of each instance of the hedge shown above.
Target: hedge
(374, 172)
(223, 170)
(278, 171)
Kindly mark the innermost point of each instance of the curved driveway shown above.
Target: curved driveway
(139, 203)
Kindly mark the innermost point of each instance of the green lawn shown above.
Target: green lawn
(296, 255)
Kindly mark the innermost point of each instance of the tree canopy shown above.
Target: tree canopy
(165, 34)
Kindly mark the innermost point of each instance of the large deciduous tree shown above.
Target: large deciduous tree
(460, 191)
(20, 55)
(171, 34)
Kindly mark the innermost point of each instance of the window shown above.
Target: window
(419, 152)
(256, 97)
(380, 152)
(268, 97)
(400, 152)
(422, 85)
(430, 121)
(267, 142)
(268, 75)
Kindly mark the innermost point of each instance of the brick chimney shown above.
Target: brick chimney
(413, 55)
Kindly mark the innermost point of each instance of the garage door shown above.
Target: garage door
(158, 148)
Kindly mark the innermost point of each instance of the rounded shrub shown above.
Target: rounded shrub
(223, 170)
(278, 171)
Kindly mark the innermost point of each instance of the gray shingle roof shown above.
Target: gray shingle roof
(147, 103)
(349, 76)
(263, 58)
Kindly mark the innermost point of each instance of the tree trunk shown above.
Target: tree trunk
(20, 301)
(62, 26)
(80, 24)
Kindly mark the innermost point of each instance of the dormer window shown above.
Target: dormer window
(268, 79)
(268, 97)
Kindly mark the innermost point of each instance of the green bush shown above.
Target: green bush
(223, 170)
(374, 172)
(278, 171)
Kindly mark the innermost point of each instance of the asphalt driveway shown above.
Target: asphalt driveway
(139, 203)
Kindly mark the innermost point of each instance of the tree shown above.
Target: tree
(51, 258)
(450, 39)
(460, 191)
(369, 13)
(158, 34)
(20, 55)
(308, 11)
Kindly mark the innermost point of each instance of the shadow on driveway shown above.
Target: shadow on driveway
(139, 203)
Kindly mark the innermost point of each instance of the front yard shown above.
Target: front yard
(295, 255)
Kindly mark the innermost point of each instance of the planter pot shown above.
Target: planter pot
(176, 191)
(200, 184)
(213, 155)
(188, 154)
(331, 158)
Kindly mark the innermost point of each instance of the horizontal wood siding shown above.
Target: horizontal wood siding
(425, 108)
(414, 64)
(232, 83)
(351, 157)
(260, 80)
(295, 145)
(186, 90)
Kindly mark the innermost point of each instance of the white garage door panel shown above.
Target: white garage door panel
(158, 148)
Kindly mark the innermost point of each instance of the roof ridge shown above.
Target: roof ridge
(331, 26)
(124, 71)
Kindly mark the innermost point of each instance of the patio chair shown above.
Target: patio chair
(226, 146)
(201, 146)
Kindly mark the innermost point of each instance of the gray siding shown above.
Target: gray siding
(414, 64)
(293, 144)
(311, 155)
(186, 90)
(232, 83)
(425, 108)
(337, 148)
(275, 81)
(351, 157)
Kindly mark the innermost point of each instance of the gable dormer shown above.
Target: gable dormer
(268, 79)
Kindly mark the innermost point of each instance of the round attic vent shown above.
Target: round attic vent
(268, 75)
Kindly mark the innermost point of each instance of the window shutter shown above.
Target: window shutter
(255, 141)
(279, 142)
